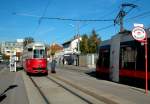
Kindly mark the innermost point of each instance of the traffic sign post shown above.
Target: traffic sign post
(140, 35)
(146, 61)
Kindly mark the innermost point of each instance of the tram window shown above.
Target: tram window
(35, 53)
(42, 53)
(103, 60)
(128, 56)
(140, 60)
(39, 53)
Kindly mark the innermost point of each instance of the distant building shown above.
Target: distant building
(72, 46)
(71, 50)
(8, 47)
(56, 48)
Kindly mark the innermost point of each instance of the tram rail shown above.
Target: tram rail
(100, 98)
(40, 91)
(60, 85)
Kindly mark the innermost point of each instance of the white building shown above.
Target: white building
(8, 47)
(72, 46)
(70, 52)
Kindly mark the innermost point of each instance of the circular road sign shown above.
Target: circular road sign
(139, 34)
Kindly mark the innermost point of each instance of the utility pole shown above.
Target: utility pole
(122, 13)
(78, 36)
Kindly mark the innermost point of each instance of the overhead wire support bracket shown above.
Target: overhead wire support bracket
(122, 13)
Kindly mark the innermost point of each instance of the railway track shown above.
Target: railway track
(87, 92)
(48, 100)
(64, 85)
(40, 91)
(72, 92)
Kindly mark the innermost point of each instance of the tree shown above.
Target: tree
(84, 44)
(94, 42)
(28, 40)
(89, 44)
(54, 48)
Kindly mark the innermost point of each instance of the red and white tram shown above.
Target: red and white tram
(34, 58)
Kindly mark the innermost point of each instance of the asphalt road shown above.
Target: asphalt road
(3, 66)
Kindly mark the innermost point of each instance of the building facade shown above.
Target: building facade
(9, 47)
(71, 51)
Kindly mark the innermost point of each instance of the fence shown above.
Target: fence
(88, 60)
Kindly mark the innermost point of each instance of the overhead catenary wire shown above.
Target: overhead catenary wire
(82, 20)
(105, 15)
(86, 23)
(62, 19)
(139, 15)
(127, 20)
(44, 12)
(106, 27)
(90, 20)
(40, 18)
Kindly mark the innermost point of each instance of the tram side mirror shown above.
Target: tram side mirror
(30, 49)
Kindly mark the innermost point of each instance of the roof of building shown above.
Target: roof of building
(57, 47)
(69, 41)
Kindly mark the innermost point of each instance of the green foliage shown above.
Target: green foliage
(89, 44)
(5, 57)
(52, 53)
(84, 48)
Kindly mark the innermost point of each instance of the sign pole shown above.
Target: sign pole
(146, 75)
(140, 35)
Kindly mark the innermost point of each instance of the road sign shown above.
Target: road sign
(139, 34)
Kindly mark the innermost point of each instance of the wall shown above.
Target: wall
(88, 60)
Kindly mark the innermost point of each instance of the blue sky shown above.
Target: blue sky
(26, 22)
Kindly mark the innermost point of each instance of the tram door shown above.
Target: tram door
(114, 58)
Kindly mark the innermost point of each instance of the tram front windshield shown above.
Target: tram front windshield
(39, 53)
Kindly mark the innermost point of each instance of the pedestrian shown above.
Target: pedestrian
(63, 60)
(53, 65)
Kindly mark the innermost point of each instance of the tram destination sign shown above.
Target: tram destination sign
(139, 33)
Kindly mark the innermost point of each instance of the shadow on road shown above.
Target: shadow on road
(3, 94)
(2, 97)
(93, 74)
(37, 74)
